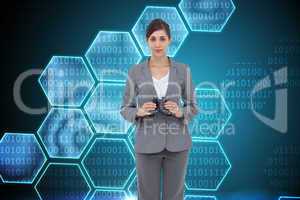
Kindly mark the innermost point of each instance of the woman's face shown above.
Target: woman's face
(158, 43)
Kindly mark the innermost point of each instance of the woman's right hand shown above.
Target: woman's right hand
(145, 109)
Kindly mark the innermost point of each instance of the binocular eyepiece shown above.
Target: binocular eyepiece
(160, 106)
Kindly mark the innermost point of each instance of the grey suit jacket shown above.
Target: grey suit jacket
(154, 133)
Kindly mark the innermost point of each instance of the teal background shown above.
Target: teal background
(34, 31)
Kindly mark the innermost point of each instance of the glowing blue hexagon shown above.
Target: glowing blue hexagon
(169, 14)
(208, 166)
(199, 197)
(21, 158)
(109, 163)
(109, 195)
(65, 133)
(62, 181)
(103, 108)
(214, 115)
(66, 81)
(207, 15)
(111, 55)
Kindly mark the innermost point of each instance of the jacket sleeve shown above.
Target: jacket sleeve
(190, 107)
(128, 107)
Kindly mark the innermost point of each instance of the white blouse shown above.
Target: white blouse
(161, 85)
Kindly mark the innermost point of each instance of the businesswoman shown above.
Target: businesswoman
(159, 100)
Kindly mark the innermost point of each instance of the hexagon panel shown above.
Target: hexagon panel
(111, 55)
(109, 195)
(62, 181)
(168, 14)
(109, 163)
(208, 165)
(21, 158)
(66, 81)
(207, 15)
(65, 133)
(103, 108)
(214, 115)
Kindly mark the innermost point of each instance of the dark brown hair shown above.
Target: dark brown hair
(157, 24)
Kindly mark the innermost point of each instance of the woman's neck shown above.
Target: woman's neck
(162, 61)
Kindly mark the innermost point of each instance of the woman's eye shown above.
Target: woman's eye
(162, 39)
(152, 39)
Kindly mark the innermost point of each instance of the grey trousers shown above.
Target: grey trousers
(173, 166)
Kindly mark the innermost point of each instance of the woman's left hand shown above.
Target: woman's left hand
(173, 108)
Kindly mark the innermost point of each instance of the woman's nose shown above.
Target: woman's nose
(157, 44)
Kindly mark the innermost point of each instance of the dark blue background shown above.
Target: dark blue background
(33, 31)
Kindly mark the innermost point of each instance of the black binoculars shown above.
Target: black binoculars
(160, 106)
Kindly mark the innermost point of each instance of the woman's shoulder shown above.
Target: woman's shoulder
(136, 69)
(181, 67)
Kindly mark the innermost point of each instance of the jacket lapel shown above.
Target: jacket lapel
(172, 78)
(148, 77)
